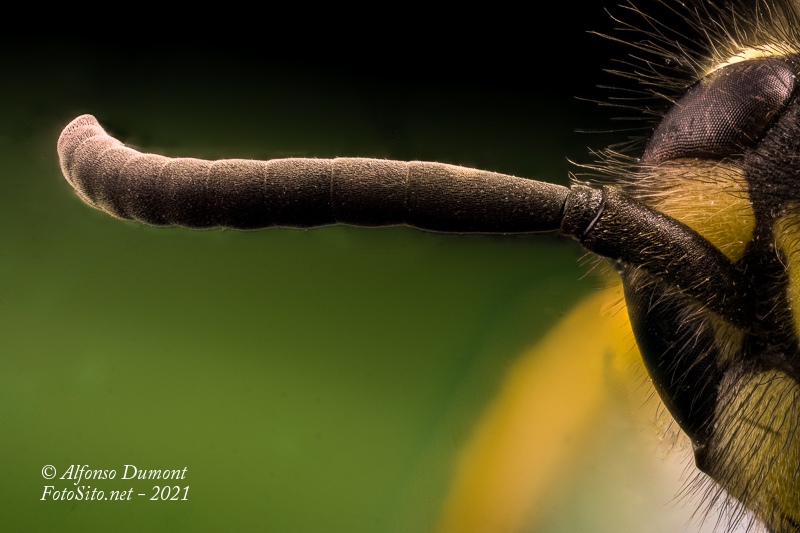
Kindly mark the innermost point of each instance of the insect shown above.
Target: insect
(700, 225)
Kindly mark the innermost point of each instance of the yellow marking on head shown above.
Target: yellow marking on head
(787, 238)
(751, 52)
(756, 450)
(708, 196)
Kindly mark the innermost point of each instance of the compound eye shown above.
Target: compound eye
(724, 113)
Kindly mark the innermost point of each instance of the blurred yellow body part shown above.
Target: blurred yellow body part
(549, 411)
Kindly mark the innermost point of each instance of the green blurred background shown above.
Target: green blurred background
(309, 381)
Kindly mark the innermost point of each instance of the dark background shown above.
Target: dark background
(309, 381)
